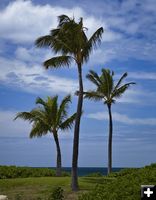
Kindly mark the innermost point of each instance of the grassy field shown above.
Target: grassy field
(128, 181)
(33, 188)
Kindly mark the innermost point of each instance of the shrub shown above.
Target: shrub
(24, 172)
(57, 194)
(96, 174)
(126, 185)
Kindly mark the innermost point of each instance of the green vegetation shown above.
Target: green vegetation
(95, 174)
(125, 185)
(50, 117)
(24, 172)
(100, 188)
(57, 194)
(70, 44)
(43, 187)
(108, 92)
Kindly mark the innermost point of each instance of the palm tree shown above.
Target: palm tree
(70, 41)
(49, 117)
(108, 92)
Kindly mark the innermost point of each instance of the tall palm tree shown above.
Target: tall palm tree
(108, 92)
(49, 117)
(69, 39)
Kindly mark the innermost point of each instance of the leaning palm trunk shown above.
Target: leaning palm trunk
(58, 160)
(74, 183)
(110, 140)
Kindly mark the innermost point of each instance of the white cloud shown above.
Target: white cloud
(33, 78)
(30, 54)
(124, 49)
(142, 75)
(123, 118)
(9, 127)
(134, 24)
(22, 21)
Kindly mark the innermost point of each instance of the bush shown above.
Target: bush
(126, 185)
(96, 174)
(24, 172)
(57, 194)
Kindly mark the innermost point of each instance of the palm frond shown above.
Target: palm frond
(62, 44)
(40, 101)
(49, 116)
(94, 78)
(105, 87)
(58, 61)
(25, 116)
(63, 108)
(38, 130)
(93, 95)
(120, 80)
(39, 114)
(52, 109)
(96, 37)
(63, 19)
(67, 124)
(119, 91)
(94, 40)
(108, 83)
(43, 41)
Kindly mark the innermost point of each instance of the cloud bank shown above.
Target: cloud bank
(123, 118)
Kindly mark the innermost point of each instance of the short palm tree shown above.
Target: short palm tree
(69, 39)
(108, 92)
(49, 117)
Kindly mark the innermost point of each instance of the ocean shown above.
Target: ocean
(83, 171)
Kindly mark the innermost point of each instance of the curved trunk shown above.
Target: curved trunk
(58, 160)
(110, 140)
(74, 183)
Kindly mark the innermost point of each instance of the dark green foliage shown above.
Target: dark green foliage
(126, 186)
(48, 116)
(57, 194)
(24, 172)
(18, 197)
(96, 174)
(123, 172)
(106, 89)
(70, 40)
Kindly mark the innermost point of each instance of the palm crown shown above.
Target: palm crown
(70, 40)
(49, 117)
(106, 89)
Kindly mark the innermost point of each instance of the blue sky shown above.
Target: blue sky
(128, 45)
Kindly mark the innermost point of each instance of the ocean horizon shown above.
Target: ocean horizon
(83, 171)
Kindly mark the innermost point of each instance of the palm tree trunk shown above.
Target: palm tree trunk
(74, 183)
(110, 140)
(58, 160)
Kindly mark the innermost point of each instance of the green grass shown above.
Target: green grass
(32, 188)
(91, 188)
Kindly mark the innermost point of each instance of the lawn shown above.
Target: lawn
(128, 181)
(33, 188)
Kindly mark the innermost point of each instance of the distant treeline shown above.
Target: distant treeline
(24, 172)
